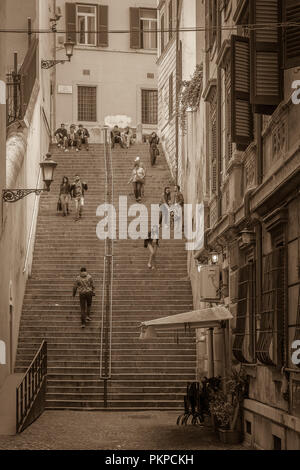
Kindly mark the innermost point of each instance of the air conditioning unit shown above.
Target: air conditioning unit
(209, 282)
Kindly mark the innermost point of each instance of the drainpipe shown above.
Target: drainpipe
(219, 119)
(53, 79)
(177, 92)
(210, 347)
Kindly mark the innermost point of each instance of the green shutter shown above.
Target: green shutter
(241, 111)
(135, 34)
(291, 14)
(102, 36)
(71, 21)
(265, 42)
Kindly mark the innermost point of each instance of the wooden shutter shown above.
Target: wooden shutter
(214, 155)
(71, 21)
(135, 34)
(170, 20)
(162, 33)
(102, 36)
(241, 110)
(265, 42)
(171, 98)
(291, 14)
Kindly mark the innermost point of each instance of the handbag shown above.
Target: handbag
(59, 206)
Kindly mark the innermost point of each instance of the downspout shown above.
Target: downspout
(53, 79)
(177, 90)
(219, 118)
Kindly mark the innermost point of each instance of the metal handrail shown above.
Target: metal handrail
(106, 323)
(30, 386)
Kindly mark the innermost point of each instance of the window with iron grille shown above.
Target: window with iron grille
(270, 320)
(244, 340)
(87, 103)
(149, 106)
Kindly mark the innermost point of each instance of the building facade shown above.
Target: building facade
(239, 156)
(25, 115)
(109, 74)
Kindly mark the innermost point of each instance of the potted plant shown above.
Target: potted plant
(226, 408)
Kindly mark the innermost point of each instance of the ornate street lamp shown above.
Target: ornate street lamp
(47, 166)
(69, 47)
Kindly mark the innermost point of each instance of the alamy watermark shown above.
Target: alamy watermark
(2, 353)
(296, 93)
(174, 220)
(2, 92)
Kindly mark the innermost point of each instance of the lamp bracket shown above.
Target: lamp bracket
(14, 195)
(47, 64)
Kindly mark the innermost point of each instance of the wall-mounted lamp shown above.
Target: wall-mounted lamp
(47, 166)
(69, 47)
(214, 256)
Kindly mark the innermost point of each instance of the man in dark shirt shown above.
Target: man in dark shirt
(82, 137)
(61, 136)
(116, 137)
(84, 284)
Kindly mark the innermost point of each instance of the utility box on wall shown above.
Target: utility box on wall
(209, 282)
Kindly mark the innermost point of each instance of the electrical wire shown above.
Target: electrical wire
(250, 27)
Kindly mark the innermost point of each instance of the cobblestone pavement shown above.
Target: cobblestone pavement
(82, 430)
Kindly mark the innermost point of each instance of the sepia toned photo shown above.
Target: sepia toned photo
(150, 228)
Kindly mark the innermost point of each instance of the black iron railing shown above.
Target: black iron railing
(20, 83)
(13, 98)
(31, 393)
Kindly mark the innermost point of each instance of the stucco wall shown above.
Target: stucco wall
(118, 72)
(26, 146)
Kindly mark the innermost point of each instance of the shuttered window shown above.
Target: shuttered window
(102, 36)
(270, 321)
(243, 345)
(87, 103)
(228, 141)
(213, 143)
(241, 111)
(266, 72)
(135, 36)
(86, 19)
(291, 14)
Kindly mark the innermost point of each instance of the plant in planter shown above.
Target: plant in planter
(226, 408)
(190, 95)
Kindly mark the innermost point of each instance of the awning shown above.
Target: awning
(203, 318)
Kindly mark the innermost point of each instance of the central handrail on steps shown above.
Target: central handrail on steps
(31, 393)
(106, 323)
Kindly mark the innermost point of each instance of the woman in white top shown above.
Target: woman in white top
(137, 179)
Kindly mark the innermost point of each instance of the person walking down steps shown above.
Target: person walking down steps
(85, 286)
(77, 193)
(152, 243)
(64, 195)
(154, 150)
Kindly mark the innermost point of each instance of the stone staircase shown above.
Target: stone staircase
(149, 374)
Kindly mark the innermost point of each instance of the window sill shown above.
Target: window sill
(107, 49)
